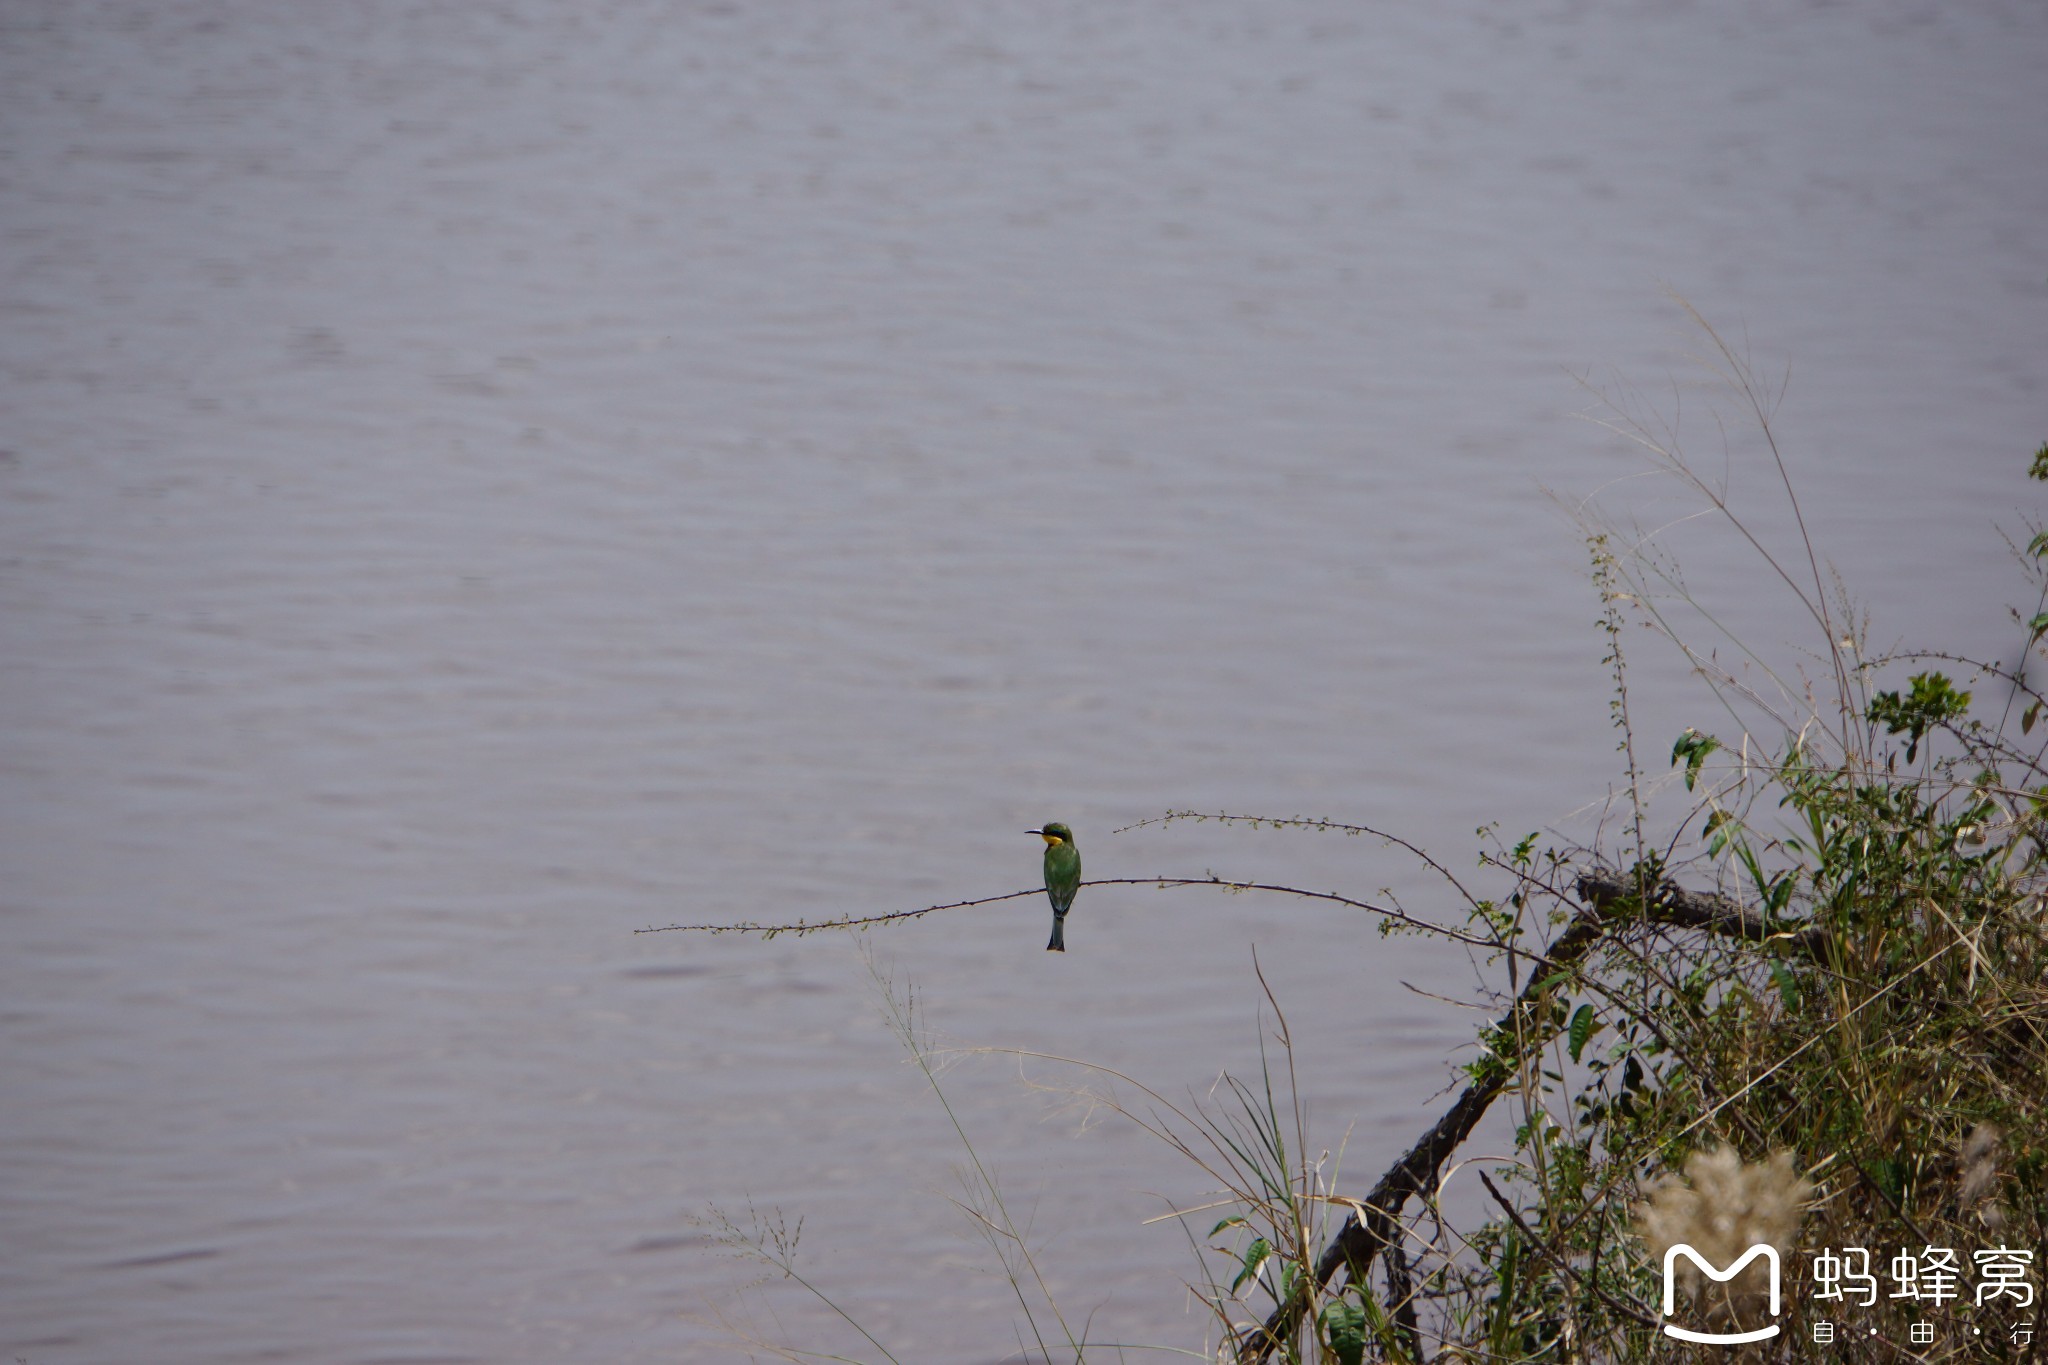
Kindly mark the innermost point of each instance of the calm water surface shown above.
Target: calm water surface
(479, 480)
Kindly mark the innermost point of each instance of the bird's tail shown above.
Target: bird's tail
(1059, 935)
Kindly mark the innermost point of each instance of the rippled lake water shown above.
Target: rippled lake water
(476, 481)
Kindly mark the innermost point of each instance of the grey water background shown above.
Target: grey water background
(480, 480)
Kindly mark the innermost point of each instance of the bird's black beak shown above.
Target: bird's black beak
(1039, 832)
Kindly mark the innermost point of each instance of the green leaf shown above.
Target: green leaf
(1584, 1025)
(1693, 747)
(1344, 1330)
(1889, 1175)
(2036, 626)
(1501, 1314)
(1931, 701)
(1255, 1257)
(1721, 826)
(1233, 1221)
(1788, 984)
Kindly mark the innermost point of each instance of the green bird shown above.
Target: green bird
(1062, 878)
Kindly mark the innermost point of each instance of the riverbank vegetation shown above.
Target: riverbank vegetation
(1812, 1014)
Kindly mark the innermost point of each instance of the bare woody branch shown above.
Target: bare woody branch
(1391, 913)
(1674, 905)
